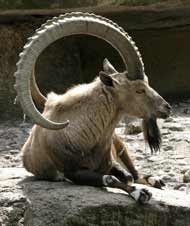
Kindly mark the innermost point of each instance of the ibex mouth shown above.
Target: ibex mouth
(164, 115)
(164, 110)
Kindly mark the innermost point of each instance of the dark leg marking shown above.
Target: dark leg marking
(123, 175)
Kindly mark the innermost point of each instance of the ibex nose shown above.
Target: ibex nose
(168, 108)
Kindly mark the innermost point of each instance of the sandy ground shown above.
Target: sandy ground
(171, 163)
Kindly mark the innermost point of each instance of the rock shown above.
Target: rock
(41, 203)
(133, 128)
(138, 150)
(186, 111)
(13, 201)
(14, 151)
(186, 177)
(153, 158)
(183, 188)
(168, 148)
(182, 163)
(184, 170)
(171, 174)
(139, 157)
(179, 156)
(167, 178)
(166, 132)
(7, 157)
(177, 186)
(170, 119)
(176, 127)
(167, 170)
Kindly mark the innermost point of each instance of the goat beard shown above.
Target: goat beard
(152, 134)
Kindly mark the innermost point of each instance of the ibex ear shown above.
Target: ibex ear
(108, 67)
(107, 79)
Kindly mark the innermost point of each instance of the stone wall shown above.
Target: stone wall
(53, 4)
(162, 33)
(12, 38)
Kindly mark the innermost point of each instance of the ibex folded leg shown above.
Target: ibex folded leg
(122, 154)
(125, 158)
(90, 178)
(122, 174)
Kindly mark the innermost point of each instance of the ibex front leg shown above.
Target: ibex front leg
(87, 177)
(120, 151)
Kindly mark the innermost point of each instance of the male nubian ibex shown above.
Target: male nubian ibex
(75, 134)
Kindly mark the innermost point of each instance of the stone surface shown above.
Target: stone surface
(27, 202)
(133, 128)
(13, 202)
(186, 177)
(50, 4)
(12, 40)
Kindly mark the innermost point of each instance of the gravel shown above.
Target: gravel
(172, 163)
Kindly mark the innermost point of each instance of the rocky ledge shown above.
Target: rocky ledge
(147, 14)
(24, 201)
(27, 202)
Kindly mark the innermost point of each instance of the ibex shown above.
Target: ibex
(85, 148)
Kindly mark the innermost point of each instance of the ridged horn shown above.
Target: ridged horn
(37, 96)
(65, 25)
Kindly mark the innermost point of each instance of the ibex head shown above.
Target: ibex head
(137, 98)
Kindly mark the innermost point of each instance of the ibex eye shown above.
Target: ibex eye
(140, 91)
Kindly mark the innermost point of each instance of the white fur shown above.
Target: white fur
(108, 179)
(60, 176)
(152, 180)
(104, 180)
(136, 194)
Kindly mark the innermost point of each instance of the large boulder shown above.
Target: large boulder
(24, 201)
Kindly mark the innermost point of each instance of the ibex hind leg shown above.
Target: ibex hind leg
(47, 171)
(49, 175)
(39, 164)
(54, 175)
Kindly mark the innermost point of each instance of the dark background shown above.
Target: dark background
(161, 31)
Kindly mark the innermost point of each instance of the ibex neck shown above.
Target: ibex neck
(111, 114)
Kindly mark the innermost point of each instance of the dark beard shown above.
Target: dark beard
(152, 134)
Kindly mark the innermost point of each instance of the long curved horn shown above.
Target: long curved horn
(66, 25)
(37, 96)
